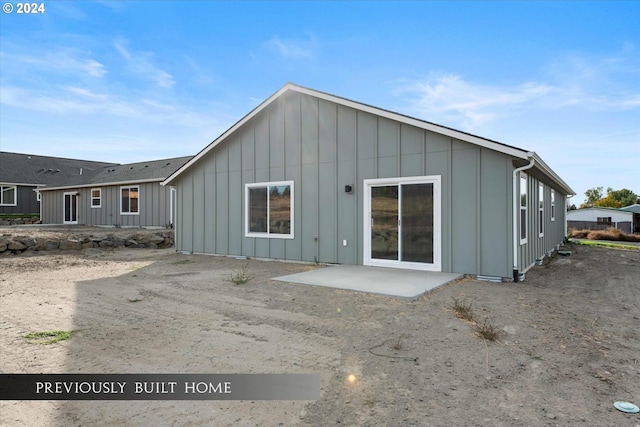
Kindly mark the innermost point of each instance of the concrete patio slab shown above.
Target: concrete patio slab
(377, 280)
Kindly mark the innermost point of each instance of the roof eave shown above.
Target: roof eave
(102, 184)
(493, 145)
(22, 184)
(551, 174)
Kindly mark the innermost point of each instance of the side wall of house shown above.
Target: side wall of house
(553, 232)
(322, 147)
(153, 206)
(26, 201)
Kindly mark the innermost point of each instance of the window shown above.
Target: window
(540, 210)
(553, 205)
(523, 208)
(96, 197)
(129, 197)
(604, 220)
(269, 210)
(8, 195)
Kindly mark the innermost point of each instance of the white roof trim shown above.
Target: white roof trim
(462, 136)
(22, 184)
(541, 165)
(101, 184)
(496, 146)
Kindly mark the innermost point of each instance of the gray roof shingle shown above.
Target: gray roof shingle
(52, 172)
(16, 168)
(151, 170)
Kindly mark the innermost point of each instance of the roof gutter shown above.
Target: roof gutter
(516, 206)
(101, 184)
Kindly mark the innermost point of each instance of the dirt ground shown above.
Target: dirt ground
(569, 345)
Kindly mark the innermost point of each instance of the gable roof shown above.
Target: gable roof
(130, 173)
(599, 208)
(515, 152)
(635, 208)
(34, 170)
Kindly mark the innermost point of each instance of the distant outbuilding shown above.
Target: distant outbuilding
(598, 218)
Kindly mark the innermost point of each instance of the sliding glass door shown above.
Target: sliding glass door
(402, 223)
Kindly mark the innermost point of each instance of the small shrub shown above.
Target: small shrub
(396, 344)
(487, 331)
(577, 234)
(462, 309)
(610, 233)
(54, 336)
(242, 275)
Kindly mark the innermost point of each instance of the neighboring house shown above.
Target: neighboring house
(21, 174)
(128, 195)
(600, 219)
(635, 209)
(311, 176)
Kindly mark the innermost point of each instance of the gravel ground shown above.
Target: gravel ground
(568, 342)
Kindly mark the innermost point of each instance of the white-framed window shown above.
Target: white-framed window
(540, 210)
(553, 205)
(523, 208)
(129, 200)
(269, 209)
(96, 197)
(8, 195)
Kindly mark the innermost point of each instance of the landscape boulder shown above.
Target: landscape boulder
(16, 246)
(51, 245)
(70, 245)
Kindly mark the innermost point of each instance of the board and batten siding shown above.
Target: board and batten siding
(26, 201)
(536, 247)
(154, 206)
(322, 146)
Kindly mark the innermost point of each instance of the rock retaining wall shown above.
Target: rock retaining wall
(19, 221)
(10, 244)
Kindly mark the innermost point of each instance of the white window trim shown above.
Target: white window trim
(541, 210)
(437, 222)
(553, 205)
(525, 208)
(99, 205)
(248, 233)
(73, 206)
(15, 195)
(129, 187)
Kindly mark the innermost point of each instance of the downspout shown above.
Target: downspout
(516, 215)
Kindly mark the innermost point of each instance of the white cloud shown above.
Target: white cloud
(574, 83)
(294, 49)
(449, 97)
(198, 74)
(142, 63)
(61, 59)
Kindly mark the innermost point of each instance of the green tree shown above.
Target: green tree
(625, 197)
(593, 195)
(608, 202)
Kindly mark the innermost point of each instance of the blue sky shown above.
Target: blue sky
(139, 80)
